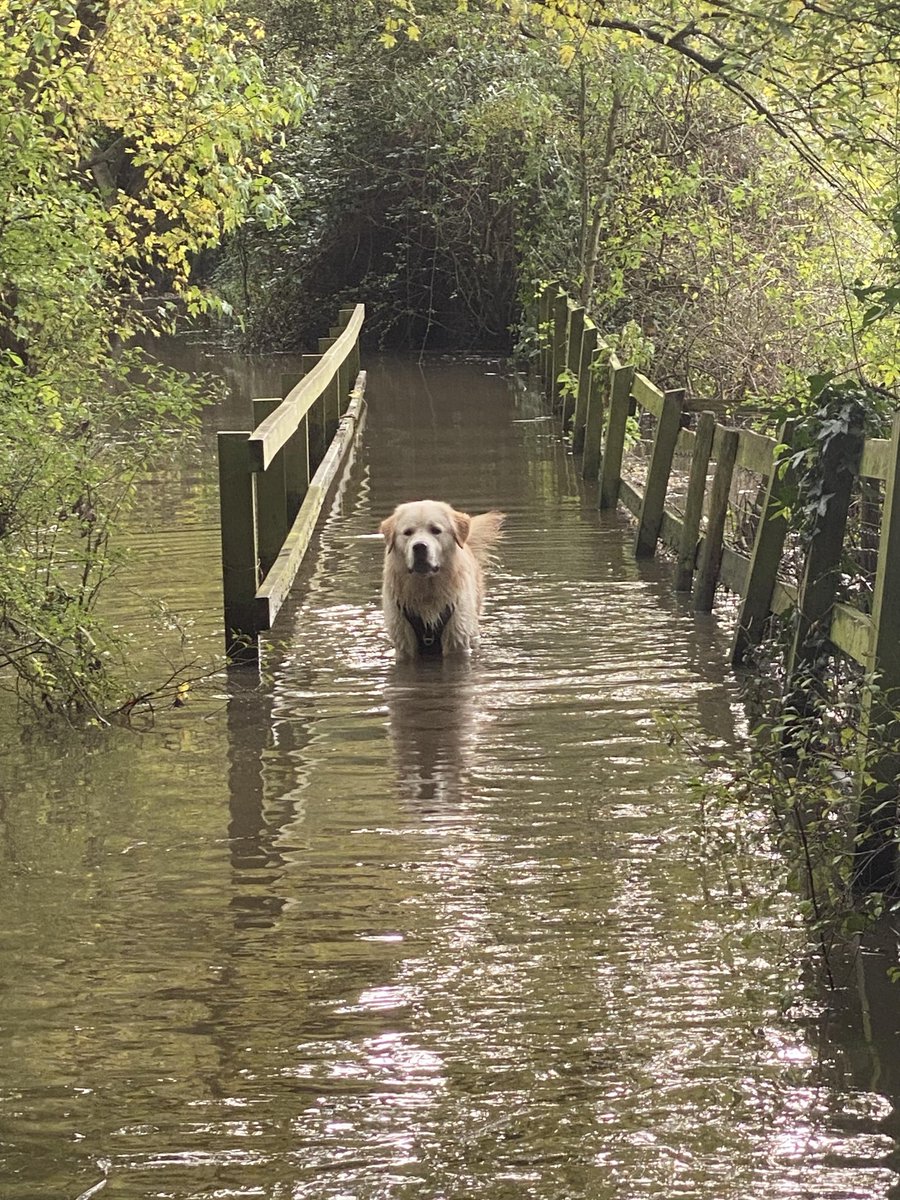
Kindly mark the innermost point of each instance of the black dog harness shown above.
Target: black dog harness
(428, 634)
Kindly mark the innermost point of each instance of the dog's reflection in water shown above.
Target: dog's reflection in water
(433, 714)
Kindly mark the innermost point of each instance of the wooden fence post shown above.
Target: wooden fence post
(332, 395)
(239, 554)
(693, 504)
(354, 363)
(593, 428)
(768, 546)
(611, 468)
(713, 540)
(558, 347)
(545, 315)
(351, 363)
(876, 850)
(296, 459)
(579, 419)
(654, 501)
(574, 334)
(821, 570)
(315, 420)
(271, 497)
(343, 371)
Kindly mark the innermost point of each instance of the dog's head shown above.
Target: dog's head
(425, 534)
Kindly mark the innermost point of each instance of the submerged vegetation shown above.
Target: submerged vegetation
(802, 770)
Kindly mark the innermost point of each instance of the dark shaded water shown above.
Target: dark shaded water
(368, 931)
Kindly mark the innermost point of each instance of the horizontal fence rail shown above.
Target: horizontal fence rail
(274, 480)
(608, 394)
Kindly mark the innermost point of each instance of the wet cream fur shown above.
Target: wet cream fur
(455, 549)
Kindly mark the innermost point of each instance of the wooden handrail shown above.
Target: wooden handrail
(273, 590)
(756, 452)
(271, 434)
(647, 394)
(821, 621)
(268, 503)
(875, 461)
(851, 630)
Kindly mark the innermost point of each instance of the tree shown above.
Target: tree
(808, 83)
(486, 154)
(823, 76)
(133, 135)
(424, 185)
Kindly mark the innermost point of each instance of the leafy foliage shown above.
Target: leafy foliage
(420, 186)
(131, 138)
(68, 467)
(500, 145)
(823, 78)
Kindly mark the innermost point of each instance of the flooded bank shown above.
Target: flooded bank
(377, 931)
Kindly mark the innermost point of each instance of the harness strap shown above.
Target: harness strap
(428, 634)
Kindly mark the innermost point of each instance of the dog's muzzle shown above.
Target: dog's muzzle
(422, 564)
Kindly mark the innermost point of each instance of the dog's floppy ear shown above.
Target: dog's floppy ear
(388, 528)
(462, 523)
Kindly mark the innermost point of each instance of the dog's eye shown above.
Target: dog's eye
(407, 533)
(436, 530)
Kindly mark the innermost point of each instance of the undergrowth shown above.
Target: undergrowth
(803, 770)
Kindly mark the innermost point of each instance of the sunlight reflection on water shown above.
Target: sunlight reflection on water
(381, 930)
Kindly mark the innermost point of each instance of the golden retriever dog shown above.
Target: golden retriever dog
(433, 576)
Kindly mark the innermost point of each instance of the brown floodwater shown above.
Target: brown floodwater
(361, 931)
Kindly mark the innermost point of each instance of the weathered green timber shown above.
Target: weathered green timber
(239, 550)
(582, 397)
(275, 587)
(711, 550)
(335, 392)
(619, 400)
(559, 350)
(647, 394)
(821, 570)
(823, 626)
(545, 328)
(593, 429)
(658, 473)
(271, 496)
(876, 857)
(693, 503)
(268, 438)
(268, 503)
(296, 459)
(316, 418)
(768, 547)
(574, 334)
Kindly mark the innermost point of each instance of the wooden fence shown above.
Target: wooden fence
(595, 393)
(273, 481)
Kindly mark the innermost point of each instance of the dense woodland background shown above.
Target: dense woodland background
(718, 181)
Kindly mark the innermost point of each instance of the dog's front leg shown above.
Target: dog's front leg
(399, 630)
(461, 634)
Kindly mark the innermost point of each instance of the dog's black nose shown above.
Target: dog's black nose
(421, 563)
